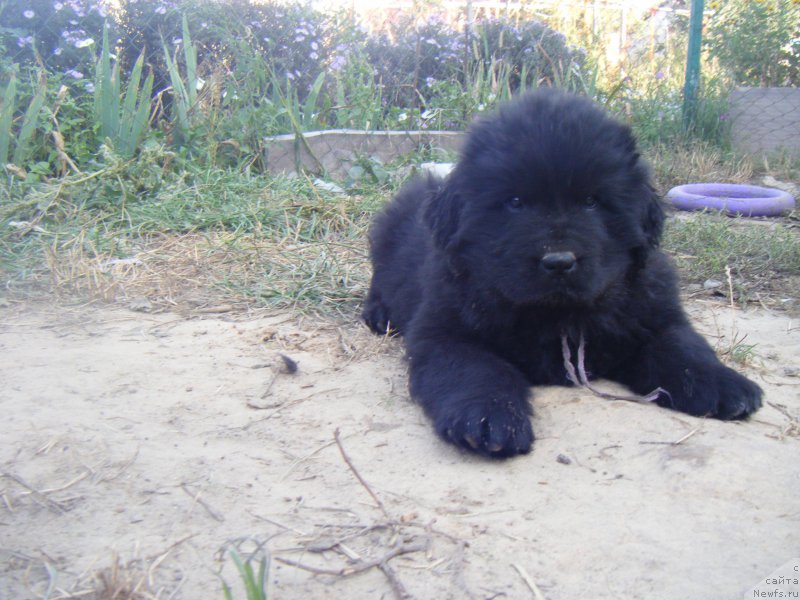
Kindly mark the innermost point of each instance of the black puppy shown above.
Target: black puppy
(540, 245)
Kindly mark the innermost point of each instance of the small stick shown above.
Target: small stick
(397, 585)
(358, 475)
(537, 593)
(67, 485)
(50, 503)
(302, 459)
(271, 382)
(359, 566)
(277, 524)
(196, 497)
(730, 287)
(686, 437)
(329, 545)
(676, 442)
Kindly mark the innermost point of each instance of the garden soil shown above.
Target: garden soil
(138, 450)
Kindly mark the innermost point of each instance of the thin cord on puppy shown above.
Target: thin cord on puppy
(580, 378)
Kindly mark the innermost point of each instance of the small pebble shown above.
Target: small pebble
(564, 459)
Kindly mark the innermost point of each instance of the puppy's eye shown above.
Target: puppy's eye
(514, 204)
(590, 202)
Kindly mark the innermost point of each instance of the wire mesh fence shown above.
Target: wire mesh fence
(270, 68)
(765, 120)
(408, 44)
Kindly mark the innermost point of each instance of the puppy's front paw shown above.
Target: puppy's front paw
(738, 397)
(714, 391)
(493, 428)
(376, 316)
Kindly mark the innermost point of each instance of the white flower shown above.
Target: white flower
(84, 43)
(29, 14)
(58, 6)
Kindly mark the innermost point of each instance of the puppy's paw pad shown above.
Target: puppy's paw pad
(376, 316)
(497, 432)
(738, 396)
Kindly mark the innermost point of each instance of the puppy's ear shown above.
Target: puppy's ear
(652, 217)
(628, 142)
(442, 213)
(652, 211)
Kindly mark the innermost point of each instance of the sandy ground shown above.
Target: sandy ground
(137, 447)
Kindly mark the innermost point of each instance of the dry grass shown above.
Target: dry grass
(677, 165)
(202, 271)
(135, 579)
(214, 240)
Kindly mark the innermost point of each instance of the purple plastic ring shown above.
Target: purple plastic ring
(732, 198)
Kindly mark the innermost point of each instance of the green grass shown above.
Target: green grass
(254, 581)
(760, 255)
(283, 242)
(275, 241)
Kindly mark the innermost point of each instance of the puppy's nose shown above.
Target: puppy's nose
(559, 262)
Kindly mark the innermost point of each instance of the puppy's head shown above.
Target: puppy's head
(549, 204)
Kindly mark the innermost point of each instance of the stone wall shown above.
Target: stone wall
(335, 151)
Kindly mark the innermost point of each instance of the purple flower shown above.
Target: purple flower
(338, 63)
(29, 14)
(25, 41)
(724, 116)
(659, 75)
(74, 74)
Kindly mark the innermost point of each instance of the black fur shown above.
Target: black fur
(548, 226)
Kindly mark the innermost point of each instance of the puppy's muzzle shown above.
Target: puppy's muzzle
(559, 262)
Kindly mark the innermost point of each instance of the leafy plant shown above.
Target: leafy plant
(184, 93)
(6, 117)
(24, 142)
(123, 122)
(529, 52)
(757, 42)
(255, 582)
(23, 150)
